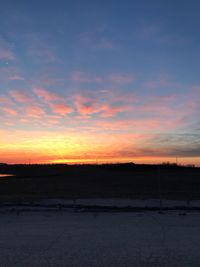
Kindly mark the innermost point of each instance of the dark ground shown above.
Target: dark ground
(35, 182)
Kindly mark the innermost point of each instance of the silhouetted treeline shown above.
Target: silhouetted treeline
(129, 166)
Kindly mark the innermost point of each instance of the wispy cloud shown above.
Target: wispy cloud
(106, 43)
(91, 105)
(110, 110)
(97, 112)
(9, 111)
(61, 109)
(22, 96)
(139, 125)
(6, 101)
(44, 54)
(40, 49)
(87, 105)
(150, 31)
(122, 78)
(98, 39)
(47, 95)
(83, 77)
(34, 111)
(6, 50)
(8, 73)
(158, 33)
(161, 81)
(114, 78)
(15, 77)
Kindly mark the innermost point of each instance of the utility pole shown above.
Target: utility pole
(159, 186)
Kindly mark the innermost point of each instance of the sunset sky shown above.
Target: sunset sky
(99, 80)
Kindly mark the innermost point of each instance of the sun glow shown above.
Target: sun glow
(75, 147)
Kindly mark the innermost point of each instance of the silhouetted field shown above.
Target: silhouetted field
(34, 182)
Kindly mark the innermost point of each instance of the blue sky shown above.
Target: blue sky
(125, 73)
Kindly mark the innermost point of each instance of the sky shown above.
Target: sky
(99, 81)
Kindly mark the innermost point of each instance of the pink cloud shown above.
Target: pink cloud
(6, 54)
(15, 77)
(6, 101)
(41, 52)
(130, 124)
(87, 105)
(157, 106)
(148, 125)
(21, 96)
(10, 73)
(157, 84)
(34, 111)
(50, 81)
(128, 98)
(122, 78)
(53, 120)
(163, 80)
(61, 109)
(83, 77)
(9, 111)
(111, 110)
(172, 110)
(47, 95)
(193, 100)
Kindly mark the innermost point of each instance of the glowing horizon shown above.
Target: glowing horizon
(88, 81)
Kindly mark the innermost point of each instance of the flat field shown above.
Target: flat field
(129, 181)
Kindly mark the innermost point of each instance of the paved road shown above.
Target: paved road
(99, 239)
